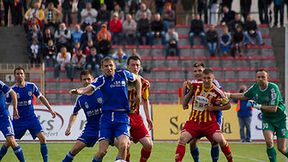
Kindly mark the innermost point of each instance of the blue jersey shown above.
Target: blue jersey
(91, 108)
(4, 89)
(25, 97)
(114, 90)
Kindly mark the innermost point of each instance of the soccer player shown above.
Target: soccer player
(115, 109)
(265, 96)
(91, 105)
(6, 125)
(206, 98)
(198, 69)
(138, 130)
(27, 118)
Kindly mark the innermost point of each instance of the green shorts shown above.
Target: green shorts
(280, 128)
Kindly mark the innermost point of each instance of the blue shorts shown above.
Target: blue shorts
(22, 125)
(114, 124)
(6, 125)
(89, 136)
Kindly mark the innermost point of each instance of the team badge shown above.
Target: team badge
(86, 105)
(99, 100)
(29, 93)
(283, 132)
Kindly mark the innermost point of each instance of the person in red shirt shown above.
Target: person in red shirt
(115, 25)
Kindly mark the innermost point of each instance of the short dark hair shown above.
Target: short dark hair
(134, 58)
(19, 68)
(261, 70)
(208, 71)
(105, 59)
(85, 72)
(198, 64)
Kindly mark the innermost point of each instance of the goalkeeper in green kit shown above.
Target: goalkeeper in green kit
(265, 96)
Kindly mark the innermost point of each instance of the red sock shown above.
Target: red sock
(180, 152)
(227, 152)
(128, 157)
(144, 155)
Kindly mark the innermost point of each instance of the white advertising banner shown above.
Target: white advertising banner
(256, 125)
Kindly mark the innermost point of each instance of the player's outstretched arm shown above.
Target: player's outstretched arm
(83, 90)
(44, 100)
(72, 120)
(236, 96)
(14, 104)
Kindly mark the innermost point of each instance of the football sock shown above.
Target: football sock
(227, 152)
(19, 154)
(68, 158)
(96, 160)
(215, 153)
(3, 151)
(180, 152)
(144, 155)
(271, 154)
(44, 152)
(195, 153)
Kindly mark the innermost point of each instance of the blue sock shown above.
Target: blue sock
(44, 152)
(195, 153)
(3, 151)
(96, 160)
(215, 153)
(68, 158)
(19, 154)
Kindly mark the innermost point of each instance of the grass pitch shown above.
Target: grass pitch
(163, 152)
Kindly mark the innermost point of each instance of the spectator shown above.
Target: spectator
(17, 18)
(35, 48)
(157, 30)
(50, 53)
(66, 11)
(172, 40)
(35, 34)
(93, 62)
(120, 13)
(78, 63)
(143, 29)
(235, 23)
(252, 32)
(202, 9)
(278, 9)
(227, 3)
(263, 11)
(133, 6)
(80, 6)
(244, 114)
(212, 40)
(237, 41)
(104, 44)
(134, 53)
(225, 41)
(245, 7)
(214, 9)
(103, 16)
(87, 49)
(197, 29)
(89, 34)
(76, 34)
(63, 63)
(228, 16)
(143, 9)
(52, 17)
(88, 16)
(115, 25)
(47, 36)
(63, 37)
(8, 5)
(168, 16)
(120, 59)
(103, 32)
(76, 48)
(129, 29)
(35, 16)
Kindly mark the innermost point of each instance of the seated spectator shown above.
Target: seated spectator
(36, 34)
(50, 53)
(52, 17)
(159, 6)
(87, 49)
(103, 32)
(143, 9)
(252, 32)
(104, 45)
(47, 36)
(78, 62)
(225, 41)
(212, 40)
(63, 37)
(103, 16)
(168, 16)
(76, 34)
(115, 25)
(63, 63)
(120, 13)
(129, 29)
(89, 34)
(157, 30)
(238, 37)
(143, 29)
(35, 16)
(76, 48)
(134, 53)
(172, 40)
(120, 59)
(88, 16)
(197, 29)
(35, 48)
(93, 62)
(235, 23)
(228, 15)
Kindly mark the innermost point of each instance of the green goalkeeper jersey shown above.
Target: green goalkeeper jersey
(271, 97)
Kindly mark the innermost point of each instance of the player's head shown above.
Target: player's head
(262, 77)
(198, 69)
(86, 77)
(208, 77)
(134, 64)
(108, 66)
(19, 74)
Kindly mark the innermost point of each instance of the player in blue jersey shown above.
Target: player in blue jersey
(6, 125)
(27, 118)
(114, 88)
(198, 69)
(91, 105)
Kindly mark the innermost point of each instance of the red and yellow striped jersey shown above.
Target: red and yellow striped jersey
(201, 98)
(132, 94)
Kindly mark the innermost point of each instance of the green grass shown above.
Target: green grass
(163, 152)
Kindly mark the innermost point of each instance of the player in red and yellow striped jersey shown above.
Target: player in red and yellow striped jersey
(138, 131)
(206, 98)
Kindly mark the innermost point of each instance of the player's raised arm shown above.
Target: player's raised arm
(72, 120)
(14, 104)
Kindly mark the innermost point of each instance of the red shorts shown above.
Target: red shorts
(138, 129)
(198, 130)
